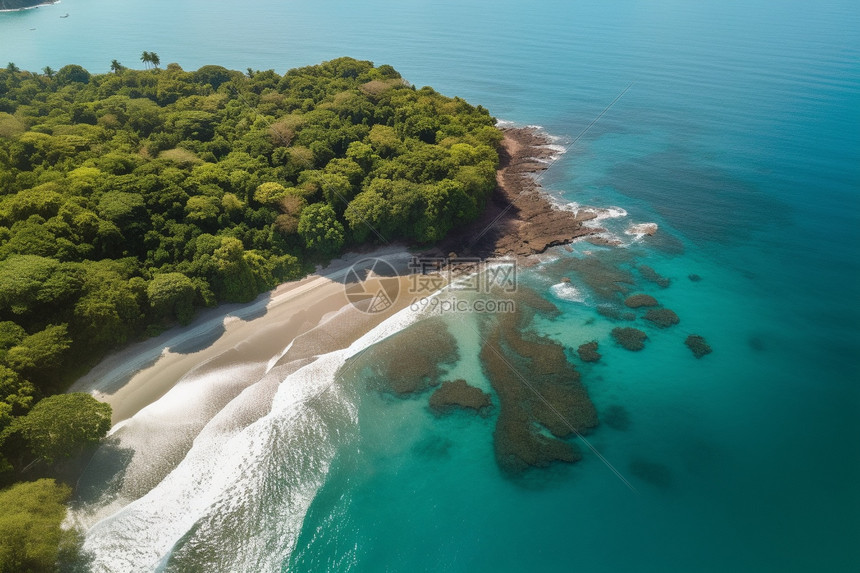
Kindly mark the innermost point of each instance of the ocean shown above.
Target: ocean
(739, 136)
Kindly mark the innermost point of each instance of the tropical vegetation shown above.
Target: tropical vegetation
(132, 198)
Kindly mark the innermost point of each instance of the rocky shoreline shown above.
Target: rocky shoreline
(520, 219)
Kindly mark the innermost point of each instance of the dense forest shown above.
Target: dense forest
(129, 199)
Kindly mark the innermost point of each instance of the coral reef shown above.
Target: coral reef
(653, 276)
(640, 300)
(662, 317)
(698, 345)
(588, 352)
(537, 387)
(654, 473)
(630, 338)
(411, 360)
(614, 313)
(616, 417)
(459, 394)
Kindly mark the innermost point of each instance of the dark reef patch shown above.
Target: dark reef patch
(630, 338)
(601, 275)
(756, 343)
(653, 276)
(614, 312)
(459, 394)
(616, 417)
(640, 300)
(433, 447)
(698, 345)
(588, 352)
(694, 277)
(651, 472)
(662, 317)
(537, 388)
(411, 360)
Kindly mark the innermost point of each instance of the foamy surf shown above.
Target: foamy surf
(640, 230)
(567, 291)
(238, 498)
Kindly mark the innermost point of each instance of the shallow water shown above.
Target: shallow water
(738, 137)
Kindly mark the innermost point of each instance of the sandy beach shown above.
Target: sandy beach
(295, 315)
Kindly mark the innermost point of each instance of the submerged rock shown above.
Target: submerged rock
(640, 300)
(541, 399)
(653, 276)
(616, 417)
(695, 278)
(411, 361)
(698, 345)
(602, 275)
(588, 352)
(459, 394)
(662, 317)
(654, 473)
(630, 338)
(614, 313)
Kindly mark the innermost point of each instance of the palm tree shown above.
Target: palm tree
(10, 67)
(116, 67)
(49, 71)
(146, 58)
(153, 57)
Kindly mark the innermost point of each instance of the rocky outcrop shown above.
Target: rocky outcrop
(640, 300)
(459, 394)
(698, 345)
(630, 338)
(588, 352)
(662, 317)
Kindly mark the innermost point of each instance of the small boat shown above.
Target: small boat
(66, 15)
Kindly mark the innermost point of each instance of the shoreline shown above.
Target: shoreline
(288, 323)
(520, 220)
(33, 7)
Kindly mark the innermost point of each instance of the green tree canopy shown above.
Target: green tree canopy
(30, 532)
(62, 425)
(172, 295)
(320, 229)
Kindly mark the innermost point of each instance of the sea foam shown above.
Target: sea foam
(240, 489)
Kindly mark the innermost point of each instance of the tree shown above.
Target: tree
(153, 57)
(320, 229)
(116, 67)
(146, 58)
(49, 71)
(40, 352)
(172, 295)
(64, 424)
(30, 532)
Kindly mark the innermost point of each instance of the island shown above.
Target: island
(10, 5)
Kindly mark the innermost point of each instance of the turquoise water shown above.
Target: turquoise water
(740, 137)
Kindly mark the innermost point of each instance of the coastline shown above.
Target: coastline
(33, 7)
(297, 321)
(520, 218)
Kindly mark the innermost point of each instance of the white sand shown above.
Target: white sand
(140, 374)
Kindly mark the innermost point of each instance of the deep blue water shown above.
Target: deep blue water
(740, 137)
